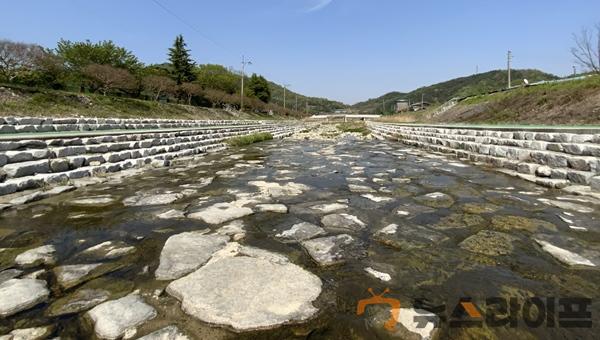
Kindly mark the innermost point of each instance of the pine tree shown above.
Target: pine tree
(259, 88)
(182, 63)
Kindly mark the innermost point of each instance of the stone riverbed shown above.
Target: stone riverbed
(282, 239)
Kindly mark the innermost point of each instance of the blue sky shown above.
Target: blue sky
(348, 50)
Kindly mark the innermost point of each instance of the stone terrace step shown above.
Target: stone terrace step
(26, 168)
(529, 160)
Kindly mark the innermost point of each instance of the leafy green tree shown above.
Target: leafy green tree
(258, 87)
(183, 65)
(217, 77)
(82, 53)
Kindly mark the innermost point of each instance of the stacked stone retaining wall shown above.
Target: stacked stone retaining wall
(52, 157)
(556, 158)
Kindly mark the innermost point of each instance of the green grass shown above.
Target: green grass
(249, 139)
(354, 127)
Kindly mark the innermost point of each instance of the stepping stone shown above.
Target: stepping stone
(72, 275)
(489, 242)
(98, 201)
(511, 223)
(301, 231)
(166, 333)
(329, 208)
(569, 250)
(414, 324)
(171, 214)
(152, 199)
(275, 190)
(183, 253)
(247, 293)
(21, 294)
(114, 318)
(377, 199)
(36, 256)
(276, 208)
(108, 250)
(360, 188)
(329, 250)
(35, 333)
(436, 200)
(342, 222)
(567, 206)
(408, 236)
(220, 213)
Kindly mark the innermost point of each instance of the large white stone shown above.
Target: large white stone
(276, 208)
(344, 222)
(328, 250)
(248, 293)
(186, 252)
(112, 319)
(20, 294)
(329, 207)
(70, 275)
(221, 212)
(152, 199)
(108, 250)
(272, 189)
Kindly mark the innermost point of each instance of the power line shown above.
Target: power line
(190, 26)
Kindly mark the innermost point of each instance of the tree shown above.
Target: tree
(15, 56)
(217, 77)
(191, 90)
(259, 87)
(158, 85)
(183, 65)
(80, 54)
(107, 77)
(587, 49)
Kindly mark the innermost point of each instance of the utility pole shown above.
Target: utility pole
(285, 86)
(244, 63)
(508, 59)
(574, 70)
(476, 69)
(296, 102)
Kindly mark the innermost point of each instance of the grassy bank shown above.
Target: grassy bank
(23, 101)
(249, 139)
(357, 127)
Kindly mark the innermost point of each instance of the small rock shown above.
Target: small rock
(377, 199)
(152, 199)
(329, 208)
(436, 200)
(276, 208)
(275, 190)
(114, 318)
(343, 222)
(166, 333)
(108, 250)
(360, 188)
(301, 231)
(171, 214)
(98, 201)
(40, 255)
(378, 275)
(220, 213)
(329, 250)
(20, 294)
(408, 236)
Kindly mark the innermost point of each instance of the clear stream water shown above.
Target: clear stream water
(429, 277)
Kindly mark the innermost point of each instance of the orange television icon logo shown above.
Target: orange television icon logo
(380, 300)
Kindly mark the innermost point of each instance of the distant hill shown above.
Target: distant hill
(315, 104)
(458, 87)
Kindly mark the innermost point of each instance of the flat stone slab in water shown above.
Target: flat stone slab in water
(329, 250)
(436, 200)
(81, 300)
(329, 207)
(166, 333)
(568, 250)
(34, 333)
(108, 250)
(40, 255)
(248, 293)
(97, 201)
(220, 213)
(343, 222)
(275, 190)
(489, 242)
(276, 208)
(152, 199)
(408, 236)
(301, 231)
(20, 294)
(567, 205)
(171, 214)
(113, 318)
(72, 275)
(183, 253)
(360, 188)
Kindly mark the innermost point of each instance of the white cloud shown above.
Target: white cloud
(318, 5)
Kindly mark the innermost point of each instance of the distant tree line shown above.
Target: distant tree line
(110, 70)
